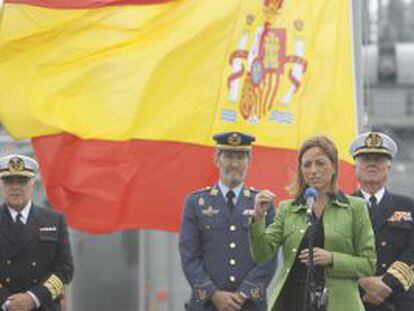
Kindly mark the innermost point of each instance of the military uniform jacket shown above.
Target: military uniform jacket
(214, 249)
(36, 258)
(394, 238)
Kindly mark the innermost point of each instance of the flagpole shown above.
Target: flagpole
(356, 11)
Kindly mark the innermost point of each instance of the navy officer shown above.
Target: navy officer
(35, 255)
(391, 289)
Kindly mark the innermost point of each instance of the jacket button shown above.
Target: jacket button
(232, 228)
(8, 262)
(207, 227)
(383, 243)
(232, 262)
(302, 231)
(294, 250)
(35, 281)
(232, 245)
(383, 265)
(232, 279)
(8, 280)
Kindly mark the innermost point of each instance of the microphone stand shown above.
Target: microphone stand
(310, 285)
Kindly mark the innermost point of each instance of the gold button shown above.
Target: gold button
(232, 245)
(232, 279)
(232, 262)
(232, 228)
(8, 262)
(34, 263)
(383, 243)
(8, 280)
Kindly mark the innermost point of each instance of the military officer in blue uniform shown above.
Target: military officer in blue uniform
(35, 255)
(392, 220)
(214, 245)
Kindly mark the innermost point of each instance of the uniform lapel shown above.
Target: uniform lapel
(244, 200)
(29, 232)
(31, 228)
(7, 227)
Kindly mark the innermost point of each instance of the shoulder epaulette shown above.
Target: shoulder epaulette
(205, 189)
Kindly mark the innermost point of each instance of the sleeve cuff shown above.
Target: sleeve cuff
(204, 291)
(402, 273)
(252, 291)
(258, 228)
(35, 299)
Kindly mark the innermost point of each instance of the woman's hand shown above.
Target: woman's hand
(321, 257)
(261, 203)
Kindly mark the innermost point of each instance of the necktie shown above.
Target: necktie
(373, 202)
(230, 203)
(373, 206)
(19, 221)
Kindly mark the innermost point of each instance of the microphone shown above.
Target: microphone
(310, 196)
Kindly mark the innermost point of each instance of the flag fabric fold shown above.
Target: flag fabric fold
(121, 98)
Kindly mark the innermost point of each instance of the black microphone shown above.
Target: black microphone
(310, 196)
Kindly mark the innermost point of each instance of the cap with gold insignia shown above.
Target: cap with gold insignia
(234, 141)
(373, 142)
(18, 165)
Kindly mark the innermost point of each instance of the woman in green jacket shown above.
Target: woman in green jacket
(344, 248)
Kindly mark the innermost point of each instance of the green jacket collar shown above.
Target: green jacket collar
(339, 199)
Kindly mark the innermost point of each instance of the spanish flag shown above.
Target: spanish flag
(121, 97)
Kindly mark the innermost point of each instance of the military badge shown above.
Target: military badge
(247, 193)
(210, 211)
(373, 140)
(15, 165)
(255, 293)
(235, 139)
(201, 294)
(48, 229)
(201, 201)
(399, 216)
(214, 191)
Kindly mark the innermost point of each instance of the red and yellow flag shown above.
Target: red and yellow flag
(121, 97)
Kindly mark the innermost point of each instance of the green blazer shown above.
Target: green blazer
(348, 235)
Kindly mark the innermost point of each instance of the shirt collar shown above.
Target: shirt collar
(379, 195)
(24, 212)
(224, 189)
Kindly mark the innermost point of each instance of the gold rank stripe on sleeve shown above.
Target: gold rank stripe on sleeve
(54, 285)
(403, 273)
